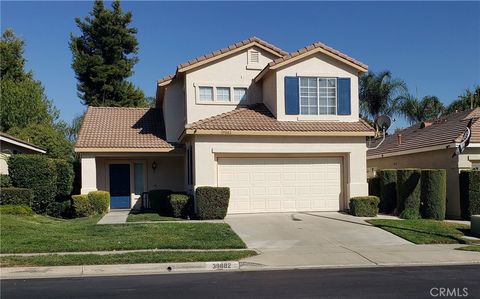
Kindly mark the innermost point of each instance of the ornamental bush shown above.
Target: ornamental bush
(99, 201)
(60, 209)
(179, 205)
(374, 186)
(22, 210)
(5, 181)
(81, 206)
(388, 190)
(159, 201)
(408, 193)
(433, 194)
(64, 171)
(36, 172)
(212, 202)
(469, 193)
(16, 196)
(364, 206)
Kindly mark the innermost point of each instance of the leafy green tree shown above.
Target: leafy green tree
(47, 136)
(104, 56)
(464, 101)
(23, 99)
(417, 111)
(380, 94)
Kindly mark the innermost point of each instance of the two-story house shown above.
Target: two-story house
(282, 130)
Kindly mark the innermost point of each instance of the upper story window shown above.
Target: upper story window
(205, 93)
(318, 96)
(223, 94)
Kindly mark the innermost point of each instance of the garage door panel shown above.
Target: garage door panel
(281, 184)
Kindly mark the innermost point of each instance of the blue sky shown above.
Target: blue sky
(433, 46)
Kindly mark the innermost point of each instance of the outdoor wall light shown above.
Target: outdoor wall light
(154, 165)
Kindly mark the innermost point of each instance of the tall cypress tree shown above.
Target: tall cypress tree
(104, 56)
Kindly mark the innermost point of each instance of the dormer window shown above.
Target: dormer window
(318, 96)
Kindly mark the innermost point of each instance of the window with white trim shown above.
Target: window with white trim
(318, 96)
(205, 93)
(223, 94)
(239, 94)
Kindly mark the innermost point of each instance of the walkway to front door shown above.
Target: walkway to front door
(119, 186)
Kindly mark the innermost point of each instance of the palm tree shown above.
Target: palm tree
(417, 111)
(380, 94)
(464, 101)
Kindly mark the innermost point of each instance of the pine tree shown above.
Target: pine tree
(104, 56)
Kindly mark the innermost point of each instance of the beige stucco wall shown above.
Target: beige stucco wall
(352, 149)
(318, 65)
(269, 90)
(169, 173)
(174, 110)
(434, 159)
(3, 163)
(231, 71)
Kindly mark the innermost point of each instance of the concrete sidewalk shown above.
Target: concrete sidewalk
(115, 217)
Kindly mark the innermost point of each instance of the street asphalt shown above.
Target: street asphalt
(378, 282)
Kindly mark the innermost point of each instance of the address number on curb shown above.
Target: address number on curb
(222, 265)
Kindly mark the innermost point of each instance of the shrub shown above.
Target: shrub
(374, 186)
(35, 172)
(5, 181)
(59, 209)
(212, 202)
(408, 193)
(22, 210)
(64, 171)
(81, 205)
(433, 193)
(99, 201)
(469, 193)
(179, 205)
(364, 206)
(16, 196)
(388, 190)
(159, 201)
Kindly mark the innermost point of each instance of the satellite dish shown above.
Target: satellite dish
(383, 122)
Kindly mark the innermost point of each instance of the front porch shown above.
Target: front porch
(127, 175)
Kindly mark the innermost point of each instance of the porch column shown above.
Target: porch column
(357, 181)
(89, 174)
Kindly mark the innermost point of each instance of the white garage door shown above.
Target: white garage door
(281, 184)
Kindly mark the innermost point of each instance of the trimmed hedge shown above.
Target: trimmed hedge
(22, 210)
(433, 193)
(364, 206)
(374, 186)
(64, 177)
(469, 193)
(159, 201)
(100, 201)
(212, 202)
(81, 205)
(5, 181)
(408, 193)
(59, 209)
(36, 172)
(16, 196)
(388, 190)
(179, 205)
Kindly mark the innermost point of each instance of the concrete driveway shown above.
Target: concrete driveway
(331, 239)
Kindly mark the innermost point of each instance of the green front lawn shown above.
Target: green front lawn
(44, 234)
(151, 216)
(423, 231)
(124, 258)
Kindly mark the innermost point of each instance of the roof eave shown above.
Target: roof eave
(193, 131)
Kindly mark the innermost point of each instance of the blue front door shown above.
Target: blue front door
(119, 186)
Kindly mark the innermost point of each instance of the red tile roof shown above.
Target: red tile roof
(117, 127)
(442, 131)
(259, 118)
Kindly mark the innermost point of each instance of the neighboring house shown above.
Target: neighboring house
(280, 129)
(10, 145)
(431, 144)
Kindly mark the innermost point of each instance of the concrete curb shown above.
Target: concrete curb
(116, 270)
